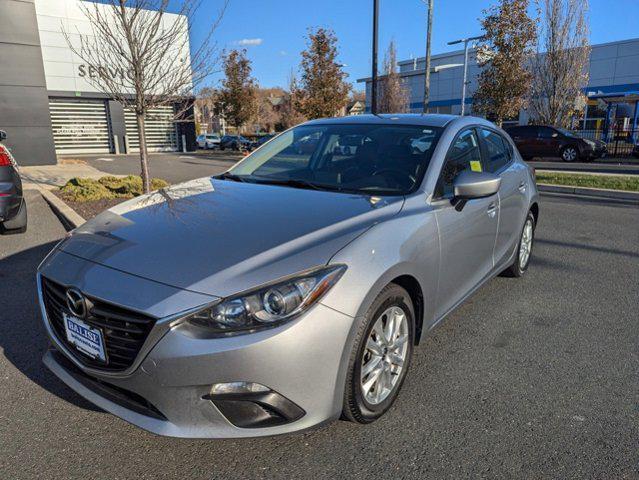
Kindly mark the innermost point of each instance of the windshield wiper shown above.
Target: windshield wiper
(232, 177)
(296, 183)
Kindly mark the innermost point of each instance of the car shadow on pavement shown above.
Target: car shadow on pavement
(22, 334)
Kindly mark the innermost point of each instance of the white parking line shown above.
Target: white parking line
(105, 159)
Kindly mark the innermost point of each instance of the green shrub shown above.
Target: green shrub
(107, 187)
(85, 190)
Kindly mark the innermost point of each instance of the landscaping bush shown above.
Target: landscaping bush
(106, 188)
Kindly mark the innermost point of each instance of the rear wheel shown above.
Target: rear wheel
(524, 249)
(380, 357)
(17, 224)
(569, 154)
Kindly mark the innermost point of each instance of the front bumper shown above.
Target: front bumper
(303, 361)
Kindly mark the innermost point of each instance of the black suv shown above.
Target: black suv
(544, 141)
(13, 208)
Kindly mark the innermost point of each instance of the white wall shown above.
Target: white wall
(61, 65)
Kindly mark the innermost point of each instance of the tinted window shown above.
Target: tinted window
(464, 154)
(366, 158)
(497, 150)
(545, 132)
(526, 132)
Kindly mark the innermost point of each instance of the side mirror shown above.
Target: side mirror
(469, 185)
(3, 135)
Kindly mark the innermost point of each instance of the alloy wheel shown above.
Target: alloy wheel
(384, 356)
(569, 154)
(525, 246)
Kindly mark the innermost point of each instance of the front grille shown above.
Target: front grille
(124, 331)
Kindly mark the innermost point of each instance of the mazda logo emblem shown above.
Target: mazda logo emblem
(76, 303)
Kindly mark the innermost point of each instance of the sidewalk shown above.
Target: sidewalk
(51, 176)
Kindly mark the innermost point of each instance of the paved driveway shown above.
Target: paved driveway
(173, 167)
(531, 378)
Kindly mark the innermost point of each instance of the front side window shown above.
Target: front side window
(545, 132)
(497, 151)
(464, 154)
(369, 159)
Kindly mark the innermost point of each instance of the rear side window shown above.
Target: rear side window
(464, 154)
(523, 132)
(497, 150)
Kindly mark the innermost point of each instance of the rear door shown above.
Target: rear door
(498, 159)
(468, 236)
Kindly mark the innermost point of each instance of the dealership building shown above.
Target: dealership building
(613, 89)
(48, 106)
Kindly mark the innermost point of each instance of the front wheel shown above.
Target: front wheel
(569, 154)
(380, 357)
(524, 249)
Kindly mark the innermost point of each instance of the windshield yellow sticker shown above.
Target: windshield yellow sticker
(475, 165)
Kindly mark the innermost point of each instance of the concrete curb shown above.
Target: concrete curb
(69, 217)
(590, 192)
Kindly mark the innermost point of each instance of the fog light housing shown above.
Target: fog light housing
(252, 405)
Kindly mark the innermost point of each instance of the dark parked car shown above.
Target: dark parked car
(262, 140)
(13, 208)
(235, 142)
(544, 141)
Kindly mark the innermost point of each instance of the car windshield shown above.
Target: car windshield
(368, 159)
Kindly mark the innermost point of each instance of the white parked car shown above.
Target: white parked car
(208, 141)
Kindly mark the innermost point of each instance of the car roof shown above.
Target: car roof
(427, 120)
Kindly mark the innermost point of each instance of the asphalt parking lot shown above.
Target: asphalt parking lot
(531, 378)
(172, 167)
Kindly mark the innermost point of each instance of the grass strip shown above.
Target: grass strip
(626, 183)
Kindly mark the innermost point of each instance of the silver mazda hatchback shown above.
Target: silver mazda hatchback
(292, 289)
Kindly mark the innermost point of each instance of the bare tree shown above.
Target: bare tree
(237, 101)
(139, 54)
(290, 115)
(504, 81)
(560, 70)
(393, 97)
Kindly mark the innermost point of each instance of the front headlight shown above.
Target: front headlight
(269, 305)
(590, 143)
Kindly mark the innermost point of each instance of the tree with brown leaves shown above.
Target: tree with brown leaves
(323, 90)
(560, 71)
(393, 97)
(237, 99)
(504, 81)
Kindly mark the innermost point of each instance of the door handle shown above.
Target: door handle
(522, 187)
(492, 210)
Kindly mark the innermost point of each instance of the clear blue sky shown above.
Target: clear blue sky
(274, 30)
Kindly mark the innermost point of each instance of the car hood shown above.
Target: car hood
(221, 237)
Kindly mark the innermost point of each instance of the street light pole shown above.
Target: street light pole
(429, 24)
(465, 41)
(374, 62)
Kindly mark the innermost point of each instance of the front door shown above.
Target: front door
(498, 159)
(467, 237)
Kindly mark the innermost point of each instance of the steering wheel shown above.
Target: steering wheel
(396, 174)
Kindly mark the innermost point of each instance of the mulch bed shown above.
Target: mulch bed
(88, 210)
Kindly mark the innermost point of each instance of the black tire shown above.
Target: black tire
(17, 224)
(516, 270)
(222, 148)
(570, 154)
(355, 407)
